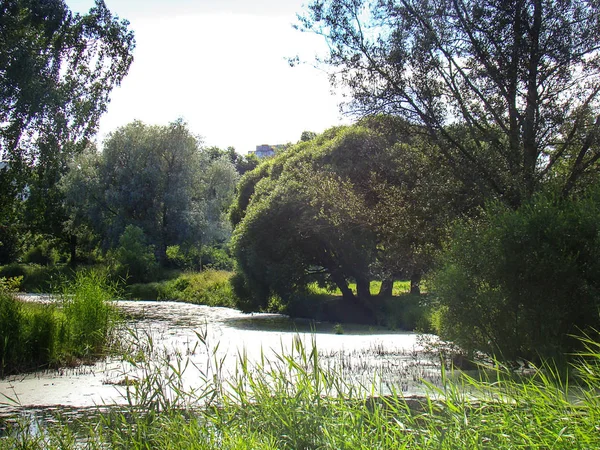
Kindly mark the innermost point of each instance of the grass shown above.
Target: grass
(77, 325)
(399, 288)
(293, 402)
(209, 287)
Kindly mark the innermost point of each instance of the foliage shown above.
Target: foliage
(209, 287)
(264, 409)
(35, 336)
(508, 92)
(58, 69)
(134, 257)
(156, 178)
(521, 283)
(354, 204)
(44, 253)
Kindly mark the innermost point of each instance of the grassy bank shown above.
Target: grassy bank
(401, 311)
(292, 402)
(209, 287)
(77, 325)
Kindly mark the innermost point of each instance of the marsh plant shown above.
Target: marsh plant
(76, 325)
(292, 401)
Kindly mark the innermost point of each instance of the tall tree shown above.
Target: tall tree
(508, 91)
(355, 204)
(57, 70)
(156, 178)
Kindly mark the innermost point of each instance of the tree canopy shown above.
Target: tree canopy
(354, 204)
(508, 91)
(156, 178)
(57, 70)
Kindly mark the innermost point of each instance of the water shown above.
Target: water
(360, 353)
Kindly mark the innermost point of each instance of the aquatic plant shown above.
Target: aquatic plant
(293, 401)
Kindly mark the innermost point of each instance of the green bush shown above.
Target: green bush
(43, 254)
(197, 259)
(519, 284)
(134, 257)
(216, 258)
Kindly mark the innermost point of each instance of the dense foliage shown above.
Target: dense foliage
(355, 204)
(523, 283)
(57, 70)
(154, 178)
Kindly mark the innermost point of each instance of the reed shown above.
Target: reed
(294, 401)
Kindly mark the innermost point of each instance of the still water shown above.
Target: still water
(170, 331)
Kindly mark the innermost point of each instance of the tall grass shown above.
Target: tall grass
(76, 325)
(293, 402)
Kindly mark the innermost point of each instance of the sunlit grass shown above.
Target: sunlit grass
(400, 287)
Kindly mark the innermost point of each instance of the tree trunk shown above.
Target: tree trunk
(342, 284)
(363, 290)
(387, 286)
(415, 284)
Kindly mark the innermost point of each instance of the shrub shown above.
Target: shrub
(43, 254)
(521, 283)
(134, 257)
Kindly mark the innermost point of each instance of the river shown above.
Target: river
(364, 354)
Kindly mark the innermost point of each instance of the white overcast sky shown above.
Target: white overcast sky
(222, 66)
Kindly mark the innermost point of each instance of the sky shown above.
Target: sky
(221, 65)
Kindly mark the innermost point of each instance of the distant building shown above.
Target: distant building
(265, 151)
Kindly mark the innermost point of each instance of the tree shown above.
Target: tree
(508, 91)
(149, 176)
(57, 70)
(156, 178)
(523, 283)
(353, 204)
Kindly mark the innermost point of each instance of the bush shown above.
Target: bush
(134, 257)
(43, 254)
(196, 259)
(519, 284)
